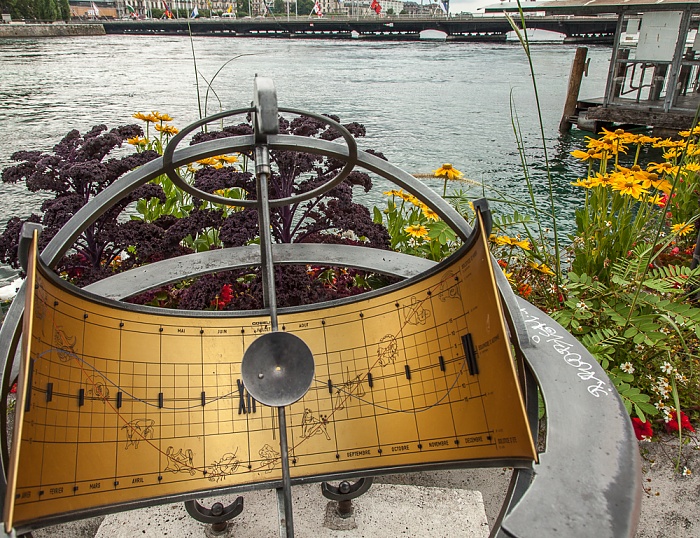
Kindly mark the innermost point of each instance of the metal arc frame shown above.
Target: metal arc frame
(550, 499)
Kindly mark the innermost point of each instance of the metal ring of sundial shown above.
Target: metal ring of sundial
(171, 171)
(277, 369)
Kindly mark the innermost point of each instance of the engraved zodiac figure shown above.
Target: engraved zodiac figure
(65, 344)
(226, 465)
(138, 430)
(414, 313)
(97, 387)
(180, 461)
(347, 389)
(269, 456)
(310, 425)
(448, 288)
(387, 350)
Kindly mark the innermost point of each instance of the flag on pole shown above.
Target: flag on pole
(195, 13)
(95, 11)
(317, 9)
(376, 6)
(230, 9)
(445, 6)
(167, 13)
(130, 9)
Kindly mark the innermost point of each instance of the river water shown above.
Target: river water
(423, 103)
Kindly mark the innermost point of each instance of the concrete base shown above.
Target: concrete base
(385, 511)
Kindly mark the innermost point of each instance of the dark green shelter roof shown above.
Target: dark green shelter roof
(594, 7)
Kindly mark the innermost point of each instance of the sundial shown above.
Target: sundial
(121, 406)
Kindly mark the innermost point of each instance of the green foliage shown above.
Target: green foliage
(415, 229)
(634, 323)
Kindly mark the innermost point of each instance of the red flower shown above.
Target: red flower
(672, 425)
(224, 298)
(525, 290)
(503, 263)
(642, 430)
(13, 389)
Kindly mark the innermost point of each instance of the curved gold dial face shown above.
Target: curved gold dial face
(126, 406)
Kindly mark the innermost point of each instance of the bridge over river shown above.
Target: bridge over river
(595, 29)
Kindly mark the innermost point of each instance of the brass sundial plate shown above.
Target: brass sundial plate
(127, 406)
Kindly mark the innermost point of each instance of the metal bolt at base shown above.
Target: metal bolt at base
(219, 528)
(345, 508)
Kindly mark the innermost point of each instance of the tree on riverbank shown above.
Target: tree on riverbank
(43, 10)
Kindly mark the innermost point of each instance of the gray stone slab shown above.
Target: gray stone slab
(385, 511)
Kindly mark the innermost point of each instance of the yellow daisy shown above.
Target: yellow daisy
(448, 171)
(148, 118)
(430, 214)
(167, 129)
(587, 155)
(416, 230)
(161, 117)
(629, 187)
(542, 268)
(137, 141)
(682, 229)
(587, 183)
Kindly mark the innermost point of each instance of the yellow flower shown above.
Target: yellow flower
(161, 117)
(587, 183)
(587, 155)
(137, 141)
(663, 185)
(686, 134)
(672, 153)
(430, 214)
(416, 230)
(617, 134)
(148, 118)
(542, 268)
(641, 139)
(400, 194)
(167, 129)
(601, 181)
(512, 241)
(448, 172)
(629, 187)
(668, 143)
(509, 276)
(682, 229)
(227, 158)
(692, 167)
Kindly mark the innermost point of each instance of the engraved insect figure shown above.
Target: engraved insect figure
(180, 461)
(448, 288)
(226, 465)
(97, 387)
(269, 456)
(415, 314)
(352, 387)
(65, 345)
(387, 350)
(310, 425)
(137, 430)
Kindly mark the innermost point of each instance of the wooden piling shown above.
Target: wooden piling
(577, 69)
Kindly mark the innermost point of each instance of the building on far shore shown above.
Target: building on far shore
(85, 9)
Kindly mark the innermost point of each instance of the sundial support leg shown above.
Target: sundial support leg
(345, 492)
(218, 515)
(285, 492)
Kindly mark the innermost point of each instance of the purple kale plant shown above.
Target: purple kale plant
(78, 168)
(81, 166)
